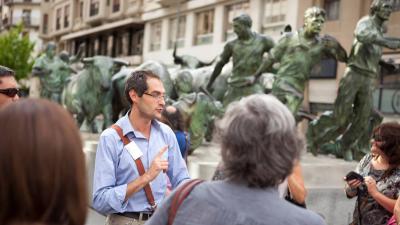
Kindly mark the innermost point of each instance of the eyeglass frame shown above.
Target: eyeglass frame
(11, 92)
(156, 96)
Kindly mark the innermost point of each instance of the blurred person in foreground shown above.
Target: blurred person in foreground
(255, 164)
(42, 166)
(378, 192)
(9, 91)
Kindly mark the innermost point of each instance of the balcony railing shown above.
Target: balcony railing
(166, 3)
(21, 1)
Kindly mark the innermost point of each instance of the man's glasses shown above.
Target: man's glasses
(156, 96)
(10, 92)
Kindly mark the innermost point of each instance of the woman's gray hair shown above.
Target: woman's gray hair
(259, 141)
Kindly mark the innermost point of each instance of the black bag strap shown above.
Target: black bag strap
(180, 196)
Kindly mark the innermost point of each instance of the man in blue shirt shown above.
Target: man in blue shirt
(118, 189)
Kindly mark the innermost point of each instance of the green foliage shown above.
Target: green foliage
(16, 50)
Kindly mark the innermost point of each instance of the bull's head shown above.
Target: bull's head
(102, 68)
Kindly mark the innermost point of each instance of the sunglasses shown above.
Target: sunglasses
(10, 92)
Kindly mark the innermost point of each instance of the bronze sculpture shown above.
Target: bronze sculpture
(247, 52)
(353, 105)
(52, 72)
(89, 94)
(296, 54)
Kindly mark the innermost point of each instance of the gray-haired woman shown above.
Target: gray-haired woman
(259, 147)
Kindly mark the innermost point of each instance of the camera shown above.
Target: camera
(354, 176)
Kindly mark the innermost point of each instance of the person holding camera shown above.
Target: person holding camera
(378, 180)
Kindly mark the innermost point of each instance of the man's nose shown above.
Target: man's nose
(162, 101)
(15, 98)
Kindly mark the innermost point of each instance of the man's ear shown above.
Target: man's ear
(133, 95)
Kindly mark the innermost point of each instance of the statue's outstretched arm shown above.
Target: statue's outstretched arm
(367, 35)
(275, 55)
(391, 43)
(334, 49)
(266, 65)
(224, 59)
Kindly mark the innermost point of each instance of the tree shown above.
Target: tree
(16, 50)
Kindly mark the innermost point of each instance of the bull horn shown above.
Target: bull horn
(121, 62)
(88, 60)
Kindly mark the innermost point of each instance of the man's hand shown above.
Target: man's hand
(158, 164)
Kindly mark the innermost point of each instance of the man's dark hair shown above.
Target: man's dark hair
(6, 72)
(244, 19)
(138, 81)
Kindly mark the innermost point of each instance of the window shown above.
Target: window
(274, 17)
(232, 12)
(332, 8)
(387, 94)
(325, 69)
(66, 16)
(205, 27)
(81, 9)
(155, 35)
(94, 7)
(45, 23)
(396, 5)
(177, 32)
(26, 17)
(58, 19)
(136, 42)
(116, 5)
(78, 10)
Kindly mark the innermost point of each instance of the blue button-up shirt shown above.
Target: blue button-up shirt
(115, 168)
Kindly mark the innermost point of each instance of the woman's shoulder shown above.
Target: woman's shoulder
(366, 160)
(396, 172)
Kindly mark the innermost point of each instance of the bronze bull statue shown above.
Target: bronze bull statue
(89, 93)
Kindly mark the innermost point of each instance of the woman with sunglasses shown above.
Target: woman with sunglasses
(8, 86)
(378, 191)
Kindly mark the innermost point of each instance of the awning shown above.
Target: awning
(103, 27)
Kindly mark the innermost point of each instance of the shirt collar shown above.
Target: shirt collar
(127, 127)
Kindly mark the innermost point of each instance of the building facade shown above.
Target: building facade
(206, 25)
(13, 12)
(139, 30)
(112, 28)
